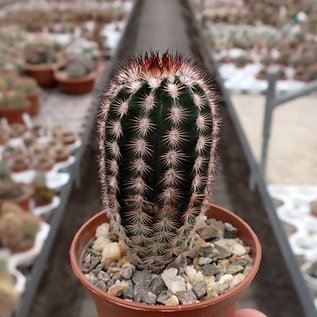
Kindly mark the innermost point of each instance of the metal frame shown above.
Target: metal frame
(272, 102)
(40, 263)
(258, 183)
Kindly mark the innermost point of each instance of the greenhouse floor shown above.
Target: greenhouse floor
(161, 25)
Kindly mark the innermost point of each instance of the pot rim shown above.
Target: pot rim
(157, 308)
(39, 67)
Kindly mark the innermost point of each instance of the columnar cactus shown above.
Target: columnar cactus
(158, 134)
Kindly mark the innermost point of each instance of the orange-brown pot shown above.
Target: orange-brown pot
(28, 245)
(14, 115)
(43, 74)
(111, 306)
(34, 104)
(75, 86)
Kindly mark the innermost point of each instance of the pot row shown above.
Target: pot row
(25, 258)
(295, 210)
(47, 76)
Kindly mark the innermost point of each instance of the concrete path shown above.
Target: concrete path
(162, 27)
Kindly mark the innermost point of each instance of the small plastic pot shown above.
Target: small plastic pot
(34, 104)
(43, 74)
(28, 245)
(14, 115)
(75, 86)
(111, 306)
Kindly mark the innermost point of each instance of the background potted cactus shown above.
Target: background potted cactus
(158, 130)
(9, 299)
(40, 57)
(42, 194)
(13, 104)
(18, 229)
(79, 74)
(16, 193)
(30, 88)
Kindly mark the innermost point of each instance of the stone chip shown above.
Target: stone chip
(186, 297)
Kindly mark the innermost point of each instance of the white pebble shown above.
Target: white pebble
(177, 285)
(198, 277)
(111, 253)
(210, 282)
(169, 275)
(102, 230)
(223, 279)
(172, 301)
(202, 261)
(191, 273)
(238, 250)
(100, 243)
(174, 282)
(237, 279)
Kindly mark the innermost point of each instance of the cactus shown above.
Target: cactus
(80, 57)
(39, 52)
(4, 169)
(9, 299)
(79, 66)
(27, 85)
(11, 191)
(42, 194)
(18, 229)
(81, 46)
(158, 129)
(7, 82)
(13, 100)
(9, 207)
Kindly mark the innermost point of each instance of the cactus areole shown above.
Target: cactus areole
(157, 135)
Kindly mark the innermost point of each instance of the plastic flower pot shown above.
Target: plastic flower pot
(74, 85)
(34, 104)
(14, 115)
(27, 245)
(43, 74)
(111, 306)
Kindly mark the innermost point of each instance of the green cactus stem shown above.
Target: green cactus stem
(13, 100)
(158, 135)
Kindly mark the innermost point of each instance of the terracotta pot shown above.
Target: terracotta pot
(111, 306)
(62, 159)
(28, 245)
(44, 167)
(21, 168)
(43, 203)
(34, 105)
(43, 74)
(14, 115)
(75, 86)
